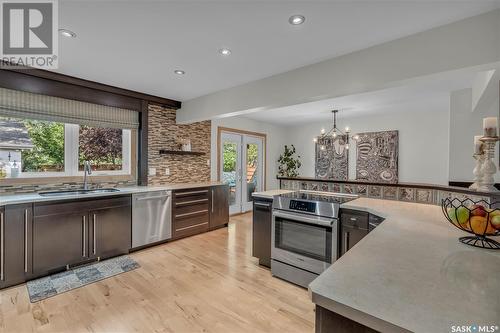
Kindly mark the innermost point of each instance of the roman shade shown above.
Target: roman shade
(20, 104)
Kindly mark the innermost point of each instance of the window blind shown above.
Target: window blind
(20, 104)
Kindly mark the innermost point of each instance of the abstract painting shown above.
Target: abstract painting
(332, 162)
(377, 157)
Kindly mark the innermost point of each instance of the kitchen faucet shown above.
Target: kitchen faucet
(87, 170)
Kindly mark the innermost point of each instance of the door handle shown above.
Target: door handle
(2, 247)
(84, 227)
(94, 223)
(346, 241)
(25, 241)
(212, 200)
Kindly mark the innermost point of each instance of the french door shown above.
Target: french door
(241, 166)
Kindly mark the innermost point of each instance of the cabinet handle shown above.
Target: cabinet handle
(94, 222)
(353, 219)
(2, 246)
(190, 193)
(346, 241)
(84, 226)
(262, 204)
(212, 200)
(25, 241)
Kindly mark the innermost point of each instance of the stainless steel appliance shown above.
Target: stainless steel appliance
(151, 217)
(304, 235)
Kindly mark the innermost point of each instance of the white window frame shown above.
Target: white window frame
(71, 151)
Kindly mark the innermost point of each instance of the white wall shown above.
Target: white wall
(274, 147)
(464, 125)
(467, 43)
(423, 141)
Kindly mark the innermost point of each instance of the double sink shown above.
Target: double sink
(78, 192)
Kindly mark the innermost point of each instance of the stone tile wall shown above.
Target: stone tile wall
(163, 133)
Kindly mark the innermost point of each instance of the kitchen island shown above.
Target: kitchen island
(409, 274)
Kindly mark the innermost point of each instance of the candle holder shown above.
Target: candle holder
(488, 168)
(477, 172)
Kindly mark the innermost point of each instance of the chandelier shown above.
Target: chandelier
(338, 138)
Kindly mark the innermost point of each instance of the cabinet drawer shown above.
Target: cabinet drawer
(181, 196)
(354, 218)
(192, 208)
(191, 224)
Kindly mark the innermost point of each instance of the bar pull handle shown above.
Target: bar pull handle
(346, 241)
(94, 221)
(25, 241)
(353, 219)
(212, 200)
(84, 227)
(2, 247)
(262, 204)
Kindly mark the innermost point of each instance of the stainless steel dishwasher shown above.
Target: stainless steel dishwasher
(151, 217)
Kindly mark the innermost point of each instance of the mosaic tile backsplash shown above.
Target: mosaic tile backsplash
(400, 193)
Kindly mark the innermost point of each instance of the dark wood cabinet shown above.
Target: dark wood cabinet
(219, 206)
(59, 239)
(354, 225)
(111, 228)
(72, 232)
(262, 223)
(190, 212)
(15, 244)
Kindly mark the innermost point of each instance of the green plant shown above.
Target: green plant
(288, 163)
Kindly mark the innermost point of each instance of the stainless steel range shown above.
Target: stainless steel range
(305, 232)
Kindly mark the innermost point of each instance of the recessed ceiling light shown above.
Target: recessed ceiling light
(179, 72)
(67, 33)
(296, 19)
(225, 52)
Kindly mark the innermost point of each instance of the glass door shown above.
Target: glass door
(253, 169)
(230, 168)
(241, 166)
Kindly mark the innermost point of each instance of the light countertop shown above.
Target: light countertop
(412, 274)
(270, 193)
(35, 197)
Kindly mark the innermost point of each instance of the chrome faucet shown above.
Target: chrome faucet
(87, 171)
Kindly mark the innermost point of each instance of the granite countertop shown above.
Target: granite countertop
(35, 197)
(412, 274)
(270, 193)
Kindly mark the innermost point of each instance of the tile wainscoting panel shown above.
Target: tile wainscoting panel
(399, 193)
(163, 133)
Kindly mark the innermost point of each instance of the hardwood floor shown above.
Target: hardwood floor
(205, 283)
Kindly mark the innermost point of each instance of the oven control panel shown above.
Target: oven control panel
(303, 206)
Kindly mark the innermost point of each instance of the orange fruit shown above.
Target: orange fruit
(480, 225)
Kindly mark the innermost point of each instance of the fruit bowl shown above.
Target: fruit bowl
(479, 218)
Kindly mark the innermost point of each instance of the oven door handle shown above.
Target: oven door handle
(304, 218)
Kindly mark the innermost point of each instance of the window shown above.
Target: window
(35, 148)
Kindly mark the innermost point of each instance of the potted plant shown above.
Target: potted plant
(288, 163)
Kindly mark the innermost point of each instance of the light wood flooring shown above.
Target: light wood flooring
(205, 283)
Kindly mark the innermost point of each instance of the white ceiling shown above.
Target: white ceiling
(138, 44)
(429, 93)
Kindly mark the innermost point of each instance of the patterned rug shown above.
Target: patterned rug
(52, 285)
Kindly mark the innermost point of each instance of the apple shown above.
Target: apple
(478, 210)
(495, 222)
(463, 215)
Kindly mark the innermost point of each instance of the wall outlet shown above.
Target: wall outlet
(167, 171)
(152, 172)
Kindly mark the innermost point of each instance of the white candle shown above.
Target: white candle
(490, 125)
(477, 144)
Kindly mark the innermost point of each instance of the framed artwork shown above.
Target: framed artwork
(332, 162)
(377, 157)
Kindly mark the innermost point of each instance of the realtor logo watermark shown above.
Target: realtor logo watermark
(29, 33)
(474, 329)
